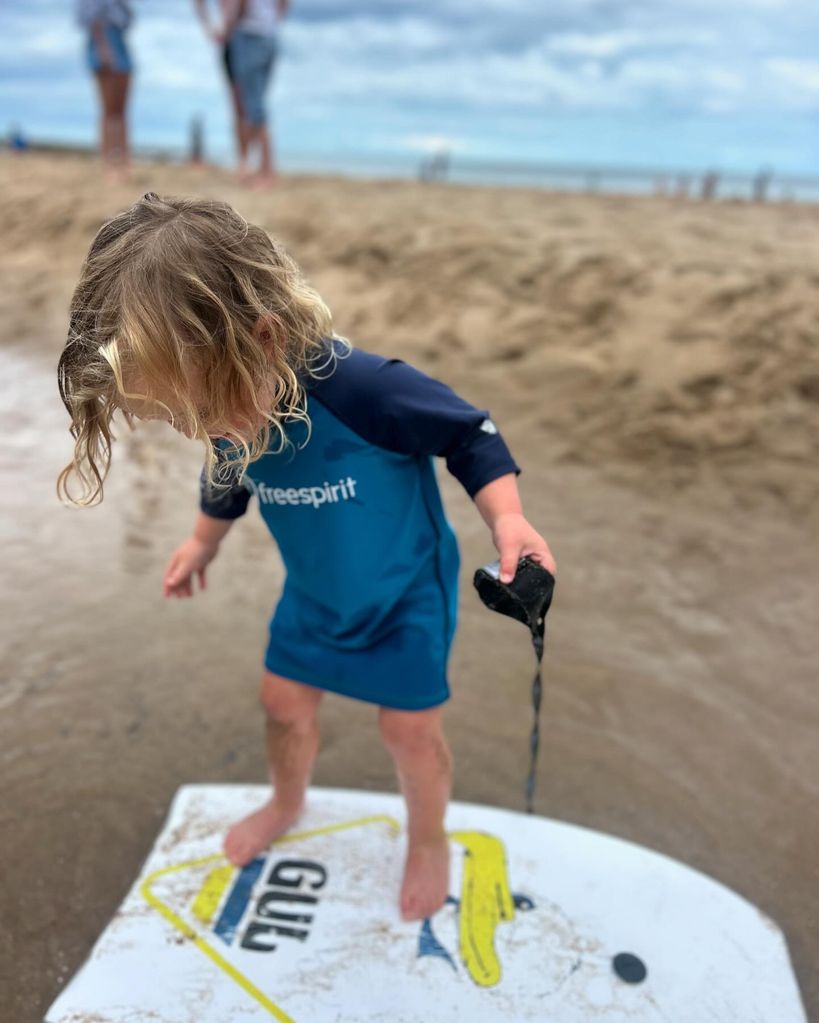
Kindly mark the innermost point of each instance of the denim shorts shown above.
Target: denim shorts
(119, 52)
(251, 58)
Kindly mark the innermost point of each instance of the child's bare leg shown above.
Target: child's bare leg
(292, 745)
(416, 741)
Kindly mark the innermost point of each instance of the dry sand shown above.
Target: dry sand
(654, 366)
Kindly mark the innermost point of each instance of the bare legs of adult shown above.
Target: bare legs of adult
(240, 129)
(113, 89)
(265, 177)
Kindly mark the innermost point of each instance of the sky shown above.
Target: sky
(732, 84)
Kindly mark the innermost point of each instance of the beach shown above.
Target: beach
(654, 367)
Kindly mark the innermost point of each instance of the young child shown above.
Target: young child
(186, 312)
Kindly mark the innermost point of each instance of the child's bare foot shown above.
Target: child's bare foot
(253, 834)
(426, 879)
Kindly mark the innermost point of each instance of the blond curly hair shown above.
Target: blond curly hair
(185, 308)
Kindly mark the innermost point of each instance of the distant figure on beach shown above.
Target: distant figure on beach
(17, 141)
(247, 39)
(186, 313)
(106, 22)
(216, 34)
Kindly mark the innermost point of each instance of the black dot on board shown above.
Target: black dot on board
(629, 968)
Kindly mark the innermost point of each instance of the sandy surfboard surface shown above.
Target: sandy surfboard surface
(543, 920)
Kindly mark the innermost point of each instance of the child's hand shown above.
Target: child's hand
(192, 557)
(516, 539)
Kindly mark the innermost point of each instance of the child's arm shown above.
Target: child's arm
(401, 409)
(219, 509)
(499, 505)
(194, 555)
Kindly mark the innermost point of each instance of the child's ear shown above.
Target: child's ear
(267, 333)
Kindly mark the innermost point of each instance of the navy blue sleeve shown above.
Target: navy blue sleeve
(396, 407)
(226, 502)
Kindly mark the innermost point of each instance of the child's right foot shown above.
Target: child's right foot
(426, 879)
(253, 834)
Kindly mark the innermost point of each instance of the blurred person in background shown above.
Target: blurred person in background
(106, 22)
(248, 42)
(216, 34)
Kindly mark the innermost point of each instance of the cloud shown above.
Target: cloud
(430, 143)
(625, 41)
(804, 74)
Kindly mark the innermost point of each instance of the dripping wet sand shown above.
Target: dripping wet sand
(654, 366)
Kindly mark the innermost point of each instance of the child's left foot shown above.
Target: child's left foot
(254, 834)
(426, 879)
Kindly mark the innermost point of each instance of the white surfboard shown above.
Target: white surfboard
(545, 921)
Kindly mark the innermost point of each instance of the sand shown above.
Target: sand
(654, 366)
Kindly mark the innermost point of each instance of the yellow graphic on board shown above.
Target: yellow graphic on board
(486, 901)
(210, 894)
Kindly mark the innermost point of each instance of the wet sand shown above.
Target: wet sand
(677, 490)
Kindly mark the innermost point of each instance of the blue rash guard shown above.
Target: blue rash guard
(369, 603)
